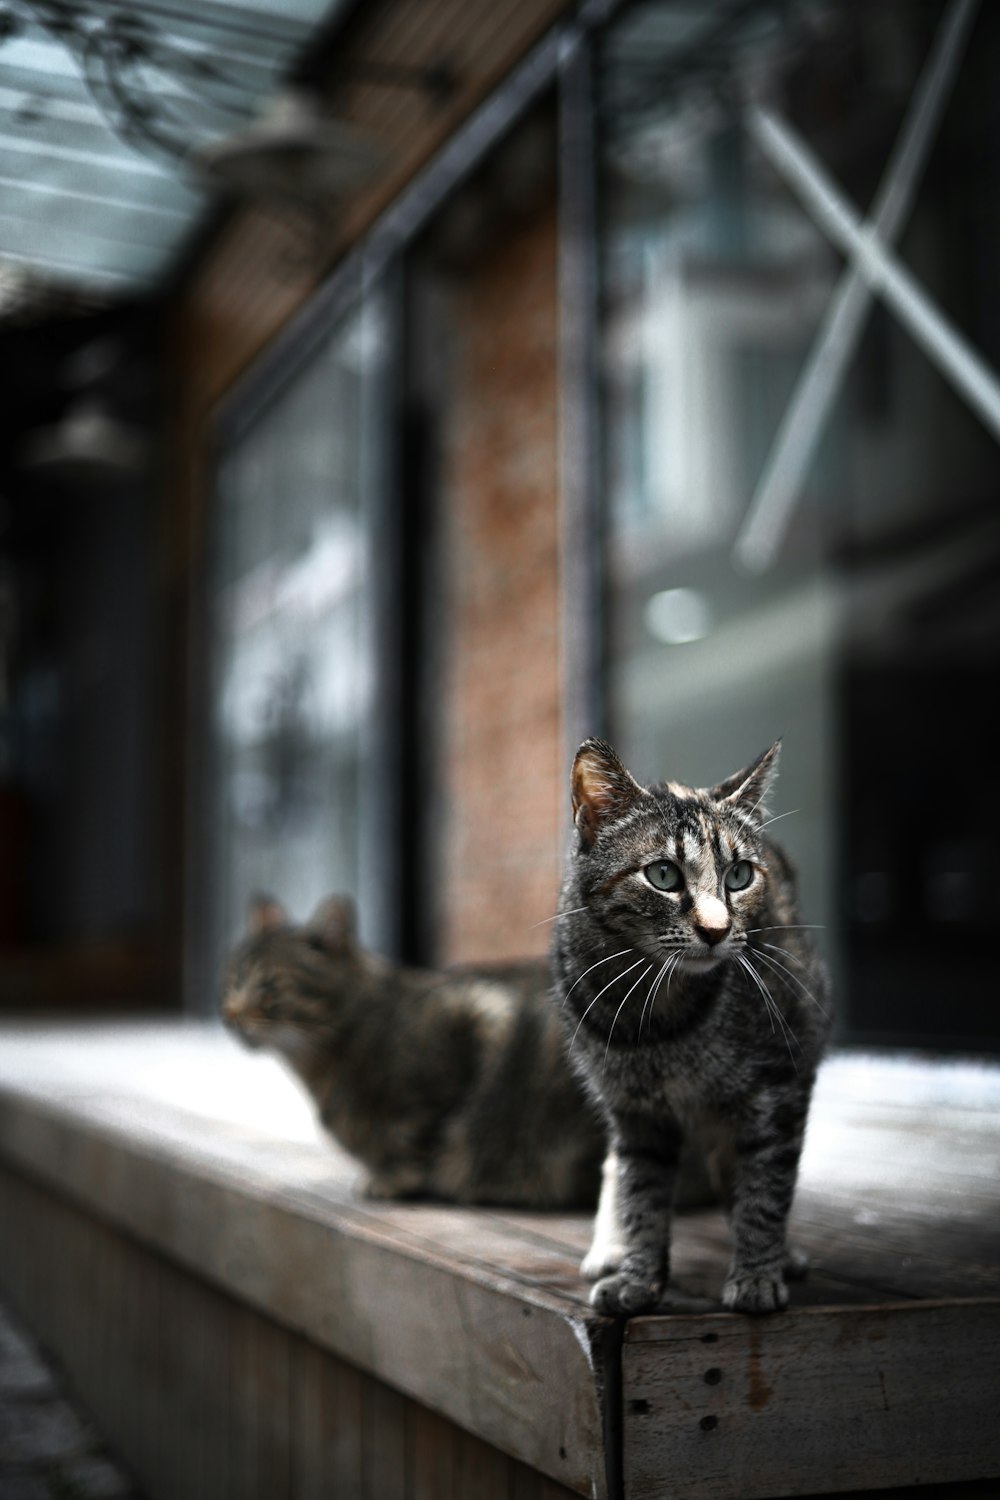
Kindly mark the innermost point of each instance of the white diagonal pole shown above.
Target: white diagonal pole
(883, 272)
(778, 487)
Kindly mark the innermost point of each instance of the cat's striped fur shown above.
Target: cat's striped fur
(451, 1084)
(695, 1005)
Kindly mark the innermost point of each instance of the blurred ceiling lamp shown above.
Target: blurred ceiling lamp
(678, 616)
(296, 152)
(88, 445)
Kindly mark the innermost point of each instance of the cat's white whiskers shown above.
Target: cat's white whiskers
(649, 993)
(677, 950)
(789, 927)
(786, 1030)
(571, 913)
(601, 992)
(744, 964)
(765, 992)
(778, 949)
(620, 954)
(777, 964)
(619, 1011)
(765, 959)
(768, 821)
(788, 1036)
(673, 962)
(751, 810)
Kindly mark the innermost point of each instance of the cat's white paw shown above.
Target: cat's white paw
(625, 1294)
(601, 1260)
(765, 1292)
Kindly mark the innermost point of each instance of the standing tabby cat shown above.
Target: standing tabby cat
(694, 1001)
(452, 1084)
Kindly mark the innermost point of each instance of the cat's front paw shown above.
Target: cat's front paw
(764, 1292)
(625, 1295)
(601, 1259)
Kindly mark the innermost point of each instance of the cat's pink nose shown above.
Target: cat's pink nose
(711, 920)
(713, 932)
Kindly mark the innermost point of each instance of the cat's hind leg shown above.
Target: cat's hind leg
(607, 1248)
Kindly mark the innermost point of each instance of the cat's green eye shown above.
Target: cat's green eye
(664, 875)
(739, 875)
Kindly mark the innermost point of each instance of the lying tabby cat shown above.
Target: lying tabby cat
(449, 1084)
(695, 1004)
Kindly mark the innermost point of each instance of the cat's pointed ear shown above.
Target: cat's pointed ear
(334, 924)
(748, 789)
(601, 788)
(264, 914)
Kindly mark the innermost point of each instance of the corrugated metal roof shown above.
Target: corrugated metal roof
(78, 205)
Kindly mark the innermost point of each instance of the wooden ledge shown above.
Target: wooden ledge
(481, 1320)
(880, 1375)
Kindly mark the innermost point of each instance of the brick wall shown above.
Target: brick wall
(503, 777)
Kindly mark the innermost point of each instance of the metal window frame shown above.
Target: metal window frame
(583, 517)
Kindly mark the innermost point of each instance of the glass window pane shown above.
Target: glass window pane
(722, 129)
(294, 663)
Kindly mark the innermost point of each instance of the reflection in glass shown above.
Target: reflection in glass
(293, 653)
(868, 639)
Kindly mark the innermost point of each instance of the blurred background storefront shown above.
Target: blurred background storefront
(635, 371)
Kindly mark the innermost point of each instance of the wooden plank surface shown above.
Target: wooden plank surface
(476, 1323)
(480, 1314)
(726, 1408)
(899, 1195)
(206, 1398)
(885, 1211)
(887, 1371)
(434, 1463)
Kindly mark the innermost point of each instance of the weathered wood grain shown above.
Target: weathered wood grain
(309, 1406)
(467, 1337)
(433, 1463)
(238, 1286)
(383, 1443)
(729, 1408)
(482, 1472)
(326, 1436)
(901, 1254)
(207, 1399)
(346, 1387)
(702, 1248)
(208, 1378)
